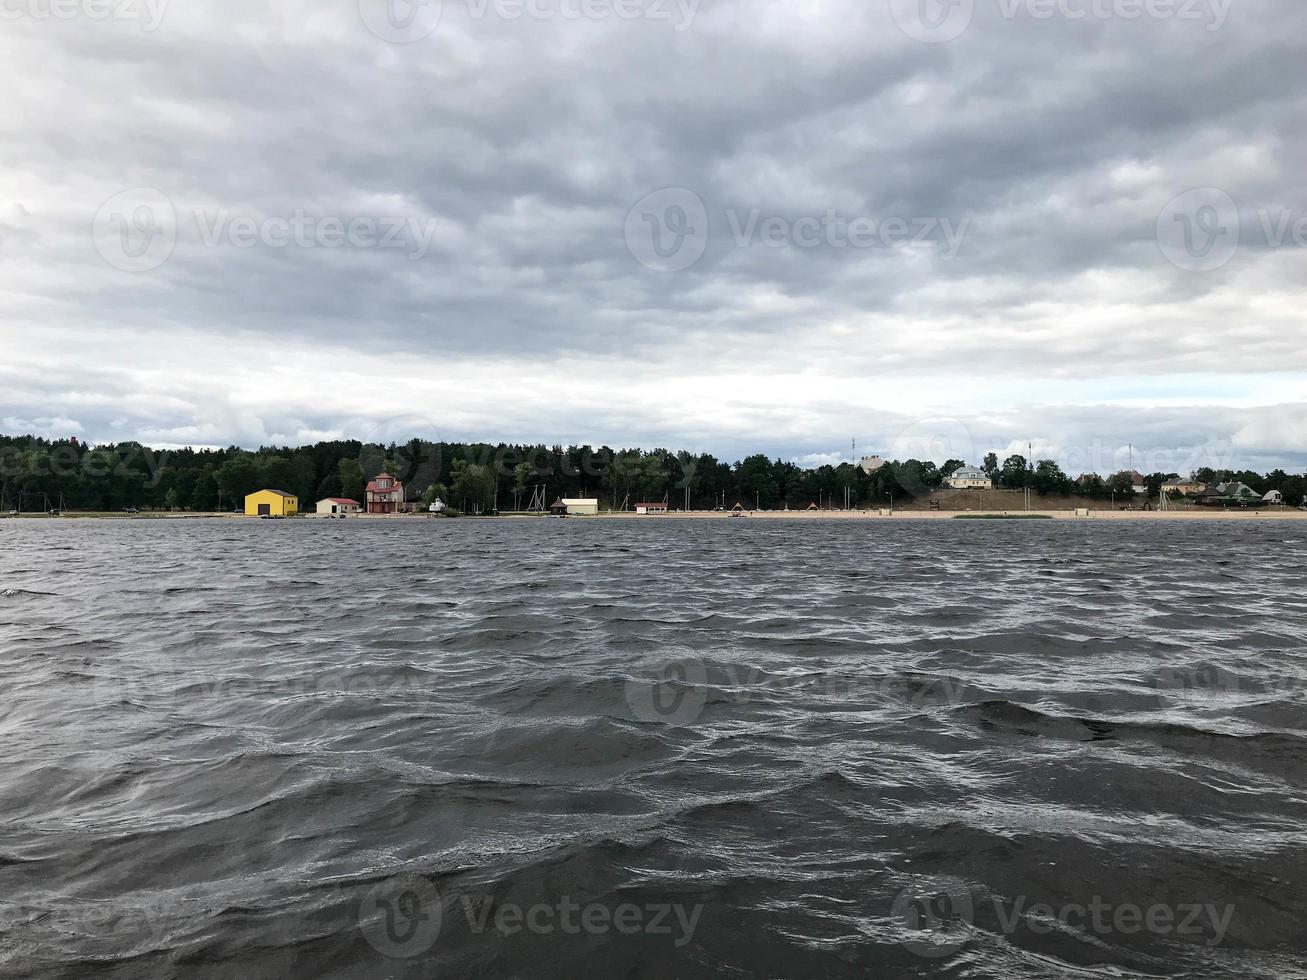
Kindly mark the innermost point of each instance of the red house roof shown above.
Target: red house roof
(373, 488)
(344, 500)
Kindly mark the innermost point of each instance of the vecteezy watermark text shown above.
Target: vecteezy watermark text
(408, 21)
(402, 917)
(149, 13)
(130, 461)
(137, 230)
(677, 692)
(669, 229)
(938, 912)
(939, 21)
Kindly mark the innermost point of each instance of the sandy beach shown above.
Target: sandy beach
(928, 515)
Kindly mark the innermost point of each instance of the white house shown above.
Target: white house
(582, 505)
(338, 505)
(1273, 497)
(658, 508)
(969, 478)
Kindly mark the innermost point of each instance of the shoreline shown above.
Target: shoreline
(1232, 514)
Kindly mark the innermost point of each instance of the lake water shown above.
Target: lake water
(653, 749)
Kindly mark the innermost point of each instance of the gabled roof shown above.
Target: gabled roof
(342, 500)
(279, 493)
(1233, 488)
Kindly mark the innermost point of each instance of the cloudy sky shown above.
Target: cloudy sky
(730, 225)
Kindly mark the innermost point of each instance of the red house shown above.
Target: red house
(384, 494)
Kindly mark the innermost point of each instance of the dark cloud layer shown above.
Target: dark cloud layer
(506, 155)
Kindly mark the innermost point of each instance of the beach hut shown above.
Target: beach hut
(271, 503)
(558, 508)
(651, 508)
(582, 505)
(338, 505)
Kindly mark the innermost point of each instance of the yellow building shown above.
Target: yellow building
(271, 503)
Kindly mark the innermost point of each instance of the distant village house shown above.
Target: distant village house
(659, 508)
(1190, 488)
(969, 478)
(384, 495)
(338, 505)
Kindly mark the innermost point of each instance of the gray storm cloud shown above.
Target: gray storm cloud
(727, 226)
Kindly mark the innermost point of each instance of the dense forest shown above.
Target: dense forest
(39, 474)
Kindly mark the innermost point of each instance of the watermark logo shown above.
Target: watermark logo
(834, 230)
(136, 230)
(937, 914)
(674, 694)
(573, 918)
(928, 440)
(1213, 13)
(933, 21)
(1204, 678)
(130, 462)
(401, 21)
(939, 21)
(667, 230)
(148, 13)
(1199, 229)
(303, 230)
(407, 21)
(127, 924)
(400, 918)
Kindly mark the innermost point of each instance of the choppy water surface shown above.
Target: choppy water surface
(654, 749)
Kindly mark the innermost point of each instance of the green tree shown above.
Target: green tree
(237, 477)
(1014, 473)
(350, 472)
(522, 473)
(1123, 486)
(756, 483)
(472, 485)
(205, 494)
(1048, 478)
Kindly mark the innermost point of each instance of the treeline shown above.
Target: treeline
(38, 474)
